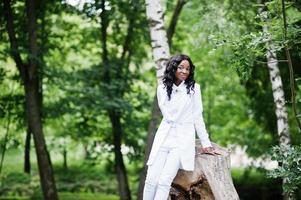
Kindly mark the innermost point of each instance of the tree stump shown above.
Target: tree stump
(210, 180)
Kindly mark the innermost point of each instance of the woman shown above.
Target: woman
(179, 99)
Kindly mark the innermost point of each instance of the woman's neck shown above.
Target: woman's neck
(178, 82)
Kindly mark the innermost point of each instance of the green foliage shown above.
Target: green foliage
(15, 198)
(226, 43)
(250, 44)
(230, 102)
(84, 178)
(12, 113)
(16, 183)
(77, 179)
(290, 166)
(247, 44)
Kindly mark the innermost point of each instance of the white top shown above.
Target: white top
(182, 118)
(172, 108)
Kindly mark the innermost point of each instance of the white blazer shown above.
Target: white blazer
(187, 121)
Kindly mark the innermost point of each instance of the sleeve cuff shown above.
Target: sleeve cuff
(206, 143)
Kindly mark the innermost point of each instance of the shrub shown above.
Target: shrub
(16, 183)
(290, 167)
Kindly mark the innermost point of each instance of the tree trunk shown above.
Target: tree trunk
(280, 109)
(277, 88)
(279, 100)
(158, 34)
(173, 23)
(290, 66)
(211, 179)
(65, 165)
(123, 186)
(43, 158)
(160, 47)
(27, 150)
(278, 93)
(29, 75)
(114, 115)
(33, 108)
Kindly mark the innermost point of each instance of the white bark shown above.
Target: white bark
(155, 17)
(278, 95)
(160, 51)
(279, 100)
(277, 86)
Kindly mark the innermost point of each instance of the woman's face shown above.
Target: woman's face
(183, 71)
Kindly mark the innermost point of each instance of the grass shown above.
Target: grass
(68, 196)
(78, 175)
(14, 198)
(85, 181)
(86, 196)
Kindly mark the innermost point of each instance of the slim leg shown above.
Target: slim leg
(168, 173)
(153, 174)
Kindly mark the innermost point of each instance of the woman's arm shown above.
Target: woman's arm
(162, 97)
(198, 117)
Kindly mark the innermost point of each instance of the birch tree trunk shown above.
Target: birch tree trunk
(161, 53)
(279, 100)
(278, 92)
(159, 42)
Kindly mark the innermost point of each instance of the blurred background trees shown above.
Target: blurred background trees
(95, 83)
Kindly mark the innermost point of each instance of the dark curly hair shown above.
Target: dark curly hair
(170, 71)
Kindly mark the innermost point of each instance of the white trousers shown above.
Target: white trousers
(161, 174)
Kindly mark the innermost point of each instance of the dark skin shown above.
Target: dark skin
(182, 74)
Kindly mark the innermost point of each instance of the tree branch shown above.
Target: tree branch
(290, 66)
(8, 15)
(32, 33)
(130, 30)
(172, 26)
(104, 25)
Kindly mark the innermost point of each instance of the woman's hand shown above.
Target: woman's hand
(208, 150)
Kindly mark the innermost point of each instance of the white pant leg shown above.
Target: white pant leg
(168, 173)
(153, 174)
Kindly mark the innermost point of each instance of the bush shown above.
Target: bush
(290, 168)
(16, 183)
(253, 183)
(85, 178)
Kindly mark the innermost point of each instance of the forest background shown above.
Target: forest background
(78, 84)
